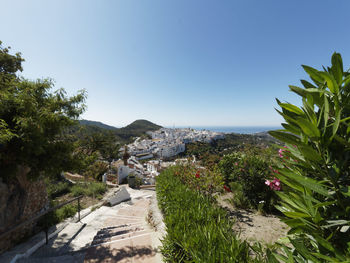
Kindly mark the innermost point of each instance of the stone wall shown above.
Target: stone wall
(20, 200)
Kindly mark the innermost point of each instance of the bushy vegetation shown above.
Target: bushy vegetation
(211, 153)
(315, 167)
(58, 188)
(246, 174)
(96, 170)
(197, 230)
(91, 189)
(32, 121)
(202, 180)
(58, 215)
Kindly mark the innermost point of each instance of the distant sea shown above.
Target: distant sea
(234, 129)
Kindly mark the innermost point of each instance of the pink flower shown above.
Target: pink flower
(236, 163)
(274, 185)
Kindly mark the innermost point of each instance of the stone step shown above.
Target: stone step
(117, 230)
(77, 257)
(123, 235)
(60, 244)
(132, 249)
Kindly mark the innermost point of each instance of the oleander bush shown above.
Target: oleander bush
(200, 179)
(246, 174)
(197, 229)
(316, 167)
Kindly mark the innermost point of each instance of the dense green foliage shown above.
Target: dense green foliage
(91, 189)
(197, 230)
(56, 188)
(58, 215)
(32, 121)
(315, 167)
(103, 143)
(59, 188)
(203, 180)
(246, 174)
(211, 153)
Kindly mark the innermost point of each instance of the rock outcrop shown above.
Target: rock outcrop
(20, 199)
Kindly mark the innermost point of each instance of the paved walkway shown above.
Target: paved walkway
(109, 234)
(124, 238)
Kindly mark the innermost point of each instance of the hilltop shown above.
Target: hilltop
(137, 128)
(123, 135)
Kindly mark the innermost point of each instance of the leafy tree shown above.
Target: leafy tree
(316, 165)
(32, 121)
(105, 143)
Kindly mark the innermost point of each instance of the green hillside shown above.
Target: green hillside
(123, 135)
(98, 124)
(137, 128)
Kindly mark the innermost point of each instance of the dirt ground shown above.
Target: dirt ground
(252, 226)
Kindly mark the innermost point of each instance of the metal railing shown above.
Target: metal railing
(42, 214)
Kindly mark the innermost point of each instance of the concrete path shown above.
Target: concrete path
(109, 234)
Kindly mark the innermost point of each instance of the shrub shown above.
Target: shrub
(199, 179)
(66, 211)
(247, 174)
(316, 166)
(96, 170)
(55, 189)
(58, 215)
(197, 230)
(93, 189)
(239, 199)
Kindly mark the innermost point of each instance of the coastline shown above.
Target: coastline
(233, 129)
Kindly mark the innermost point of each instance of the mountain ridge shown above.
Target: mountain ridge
(125, 134)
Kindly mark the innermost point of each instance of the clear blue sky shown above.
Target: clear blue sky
(181, 62)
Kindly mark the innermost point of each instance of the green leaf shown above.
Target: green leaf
(310, 153)
(321, 256)
(325, 204)
(271, 258)
(346, 82)
(308, 128)
(314, 73)
(296, 214)
(300, 247)
(336, 124)
(309, 183)
(307, 84)
(331, 83)
(291, 128)
(285, 137)
(326, 112)
(324, 242)
(292, 108)
(337, 67)
(301, 92)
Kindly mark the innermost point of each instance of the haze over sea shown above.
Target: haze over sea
(234, 129)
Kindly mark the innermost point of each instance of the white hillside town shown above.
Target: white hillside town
(165, 143)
